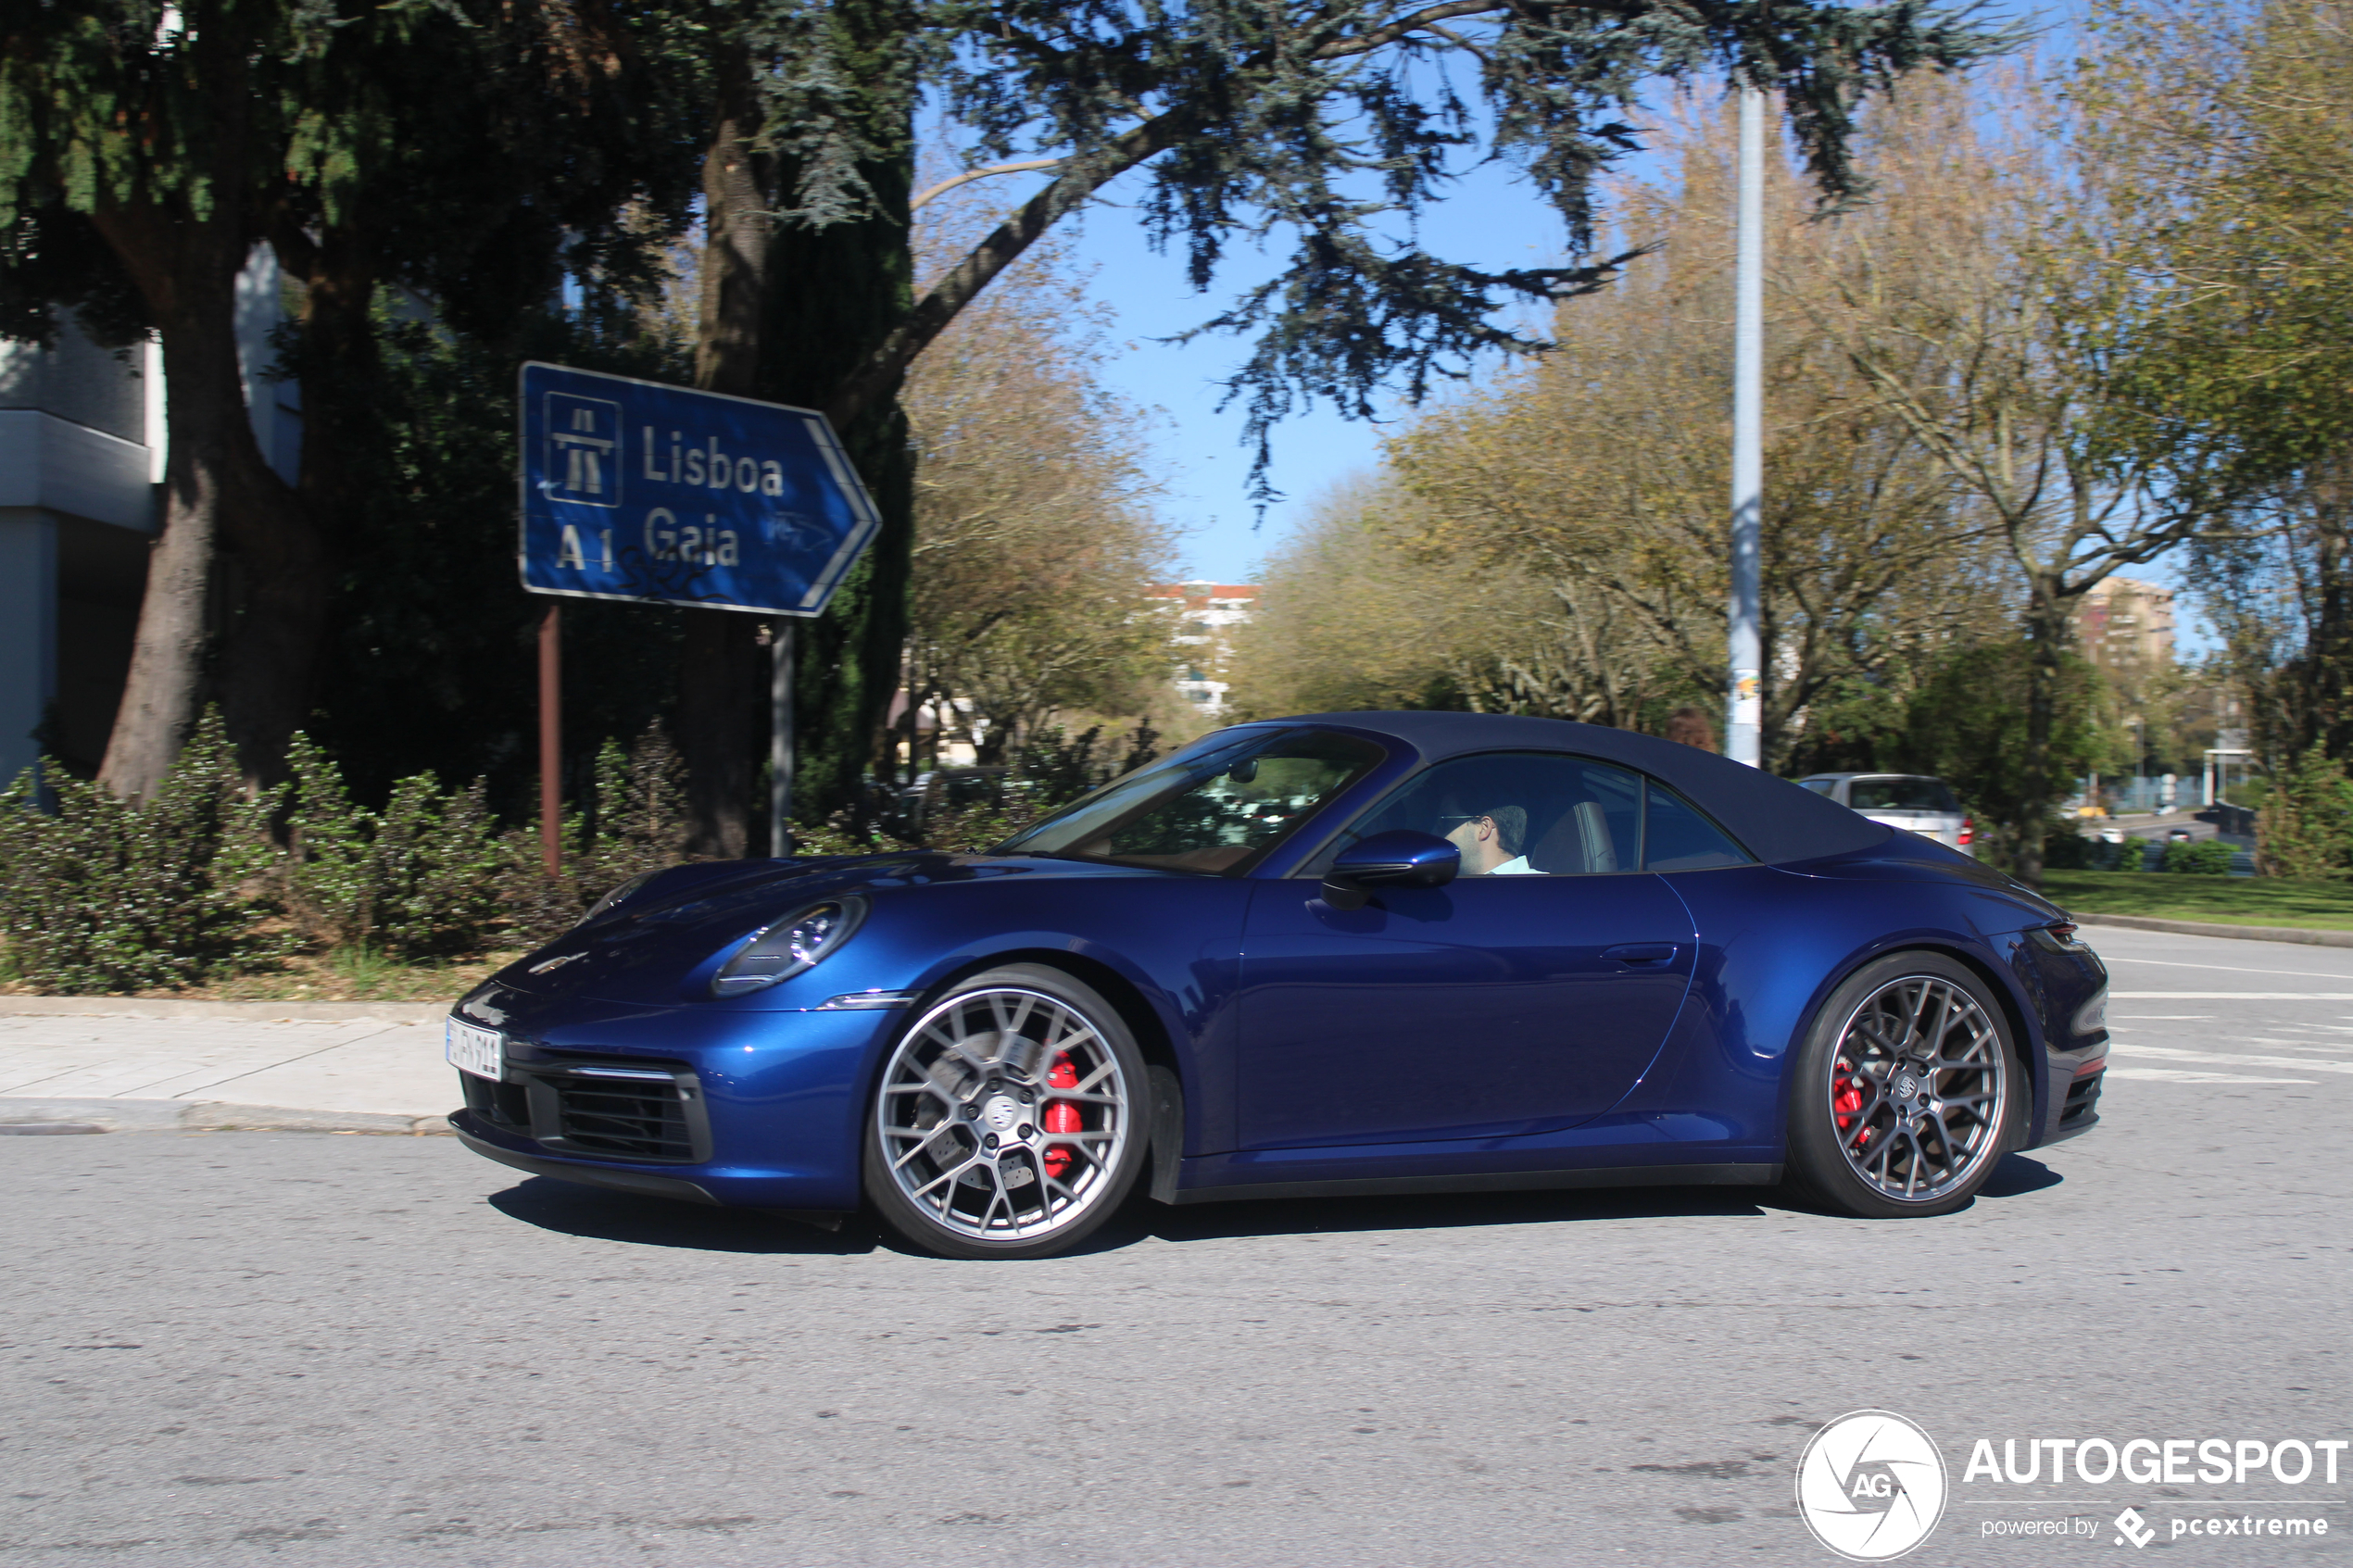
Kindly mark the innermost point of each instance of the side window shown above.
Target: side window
(1518, 813)
(1677, 838)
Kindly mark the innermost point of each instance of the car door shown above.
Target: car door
(1515, 1000)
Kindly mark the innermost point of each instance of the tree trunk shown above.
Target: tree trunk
(217, 488)
(788, 314)
(720, 692)
(205, 414)
(2046, 627)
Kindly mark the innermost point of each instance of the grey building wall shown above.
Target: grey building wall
(79, 382)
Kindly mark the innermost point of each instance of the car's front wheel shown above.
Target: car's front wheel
(1905, 1089)
(1008, 1122)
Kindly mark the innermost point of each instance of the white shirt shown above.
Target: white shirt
(1517, 866)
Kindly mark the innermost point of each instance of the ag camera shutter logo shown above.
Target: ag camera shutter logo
(1870, 1485)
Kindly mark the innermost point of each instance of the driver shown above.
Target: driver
(1492, 841)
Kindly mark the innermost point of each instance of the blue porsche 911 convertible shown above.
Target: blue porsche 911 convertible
(1344, 953)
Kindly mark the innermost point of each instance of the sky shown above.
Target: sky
(1489, 220)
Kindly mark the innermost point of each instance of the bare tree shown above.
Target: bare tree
(1598, 476)
(1036, 541)
(1990, 340)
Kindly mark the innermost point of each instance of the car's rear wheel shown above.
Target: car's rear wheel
(1905, 1090)
(1009, 1119)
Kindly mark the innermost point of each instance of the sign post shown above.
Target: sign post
(637, 491)
(780, 737)
(551, 740)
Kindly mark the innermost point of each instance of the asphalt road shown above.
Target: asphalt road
(323, 1349)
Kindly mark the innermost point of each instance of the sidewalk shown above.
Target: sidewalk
(118, 1064)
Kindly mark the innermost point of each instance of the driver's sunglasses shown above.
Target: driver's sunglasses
(1465, 816)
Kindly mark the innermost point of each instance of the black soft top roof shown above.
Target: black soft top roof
(1776, 820)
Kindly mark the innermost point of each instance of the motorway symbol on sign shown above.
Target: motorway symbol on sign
(633, 490)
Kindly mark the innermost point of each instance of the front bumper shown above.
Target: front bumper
(707, 1105)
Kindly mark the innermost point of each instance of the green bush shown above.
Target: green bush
(423, 878)
(2064, 849)
(101, 895)
(2067, 850)
(637, 823)
(1968, 725)
(2207, 858)
(2305, 829)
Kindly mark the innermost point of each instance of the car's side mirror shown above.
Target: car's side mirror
(1400, 858)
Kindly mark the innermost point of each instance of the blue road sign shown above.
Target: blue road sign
(633, 490)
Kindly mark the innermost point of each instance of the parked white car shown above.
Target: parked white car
(1914, 802)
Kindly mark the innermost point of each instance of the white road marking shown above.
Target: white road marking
(2304, 1064)
(2224, 968)
(2231, 996)
(2180, 1075)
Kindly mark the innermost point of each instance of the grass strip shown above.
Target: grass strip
(2224, 900)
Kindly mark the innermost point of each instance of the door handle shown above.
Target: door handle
(1641, 953)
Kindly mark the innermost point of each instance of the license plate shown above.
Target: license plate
(482, 1052)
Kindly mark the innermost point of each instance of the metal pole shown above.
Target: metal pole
(551, 740)
(1744, 710)
(780, 647)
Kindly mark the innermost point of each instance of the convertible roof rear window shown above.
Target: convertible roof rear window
(1214, 808)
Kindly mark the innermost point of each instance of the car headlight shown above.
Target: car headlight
(791, 945)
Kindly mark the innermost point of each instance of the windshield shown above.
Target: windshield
(1216, 809)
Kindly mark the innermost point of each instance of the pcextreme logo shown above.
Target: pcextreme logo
(1870, 1485)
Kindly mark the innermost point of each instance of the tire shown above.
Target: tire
(1905, 1090)
(961, 1151)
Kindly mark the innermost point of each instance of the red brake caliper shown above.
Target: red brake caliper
(1846, 1100)
(1061, 1116)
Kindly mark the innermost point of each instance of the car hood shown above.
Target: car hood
(688, 916)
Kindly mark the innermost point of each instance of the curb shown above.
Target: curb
(2206, 928)
(268, 1012)
(29, 1115)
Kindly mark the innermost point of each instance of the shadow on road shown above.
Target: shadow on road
(1305, 1216)
(2016, 1176)
(590, 1211)
(651, 1222)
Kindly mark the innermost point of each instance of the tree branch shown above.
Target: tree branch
(1392, 31)
(948, 184)
(881, 371)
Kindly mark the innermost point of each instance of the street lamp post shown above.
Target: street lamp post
(1744, 705)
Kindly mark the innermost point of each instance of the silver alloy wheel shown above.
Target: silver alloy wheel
(1002, 1114)
(1917, 1089)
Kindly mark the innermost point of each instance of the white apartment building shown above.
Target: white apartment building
(81, 464)
(1207, 614)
